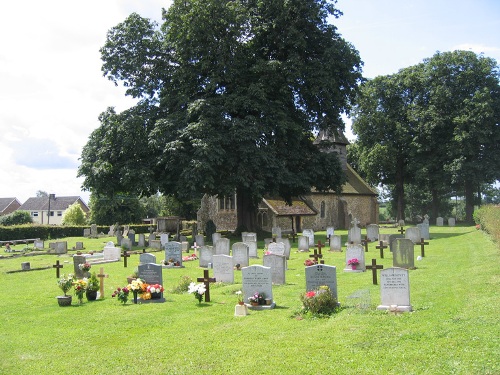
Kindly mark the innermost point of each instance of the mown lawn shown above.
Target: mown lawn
(454, 328)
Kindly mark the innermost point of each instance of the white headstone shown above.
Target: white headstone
(223, 268)
(372, 232)
(200, 240)
(38, 244)
(309, 233)
(240, 251)
(439, 221)
(110, 252)
(319, 275)
(403, 253)
(257, 279)
(424, 231)
(252, 249)
(215, 237)
(277, 263)
(222, 246)
(413, 233)
(335, 243)
(355, 252)
(354, 233)
(142, 240)
(330, 232)
(206, 256)
(147, 258)
(303, 243)
(277, 248)
(286, 243)
(126, 244)
(395, 290)
(451, 221)
(248, 236)
(163, 239)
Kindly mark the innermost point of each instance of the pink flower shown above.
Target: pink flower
(310, 294)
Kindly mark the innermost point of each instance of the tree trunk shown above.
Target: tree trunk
(469, 202)
(247, 211)
(436, 202)
(400, 190)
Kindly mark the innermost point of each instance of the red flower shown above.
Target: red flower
(310, 294)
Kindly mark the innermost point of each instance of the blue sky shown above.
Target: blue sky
(52, 89)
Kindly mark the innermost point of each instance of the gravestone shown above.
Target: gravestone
(451, 221)
(223, 268)
(206, 256)
(248, 236)
(303, 243)
(277, 248)
(424, 231)
(286, 243)
(267, 241)
(354, 233)
(215, 237)
(185, 247)
(152, 274)
(395, 290)
(131, 236)
(355, 251)
(252, 249)
(79, 245)
(240, 251)
(173, 253)
(119, 236)
(155, 244)
(330, 232)
(335, 243)
(403, 253)
(392, 238)
(147, 258)
(200, 240)
(77, 260)
(125, 230)
(93, 231)
(401, 223)
(222, 247)
(319, 275)
(142, 240)
(426, 219)
(439, 221)
(310, 234)
(126, 244)
(413, 233)
(38, 244)
(110, 252)
(276, 232)
(152, 237)
(86, 232)
(61, 247)
(277, 263)
(163, 239)
(384, 237)
(111, 231)
(257, 279)
(372, 232)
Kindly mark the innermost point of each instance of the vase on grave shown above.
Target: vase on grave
(91, 295)
(254, 303)
(135, 292)
(64, 300)
(353, 266)
(155, 295)
(268, 301)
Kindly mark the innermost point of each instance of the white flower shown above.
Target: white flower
(192, 288)
(238, 292)
(201, 288)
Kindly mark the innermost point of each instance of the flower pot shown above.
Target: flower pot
(134, 292)
(241, 303)
(155, 295)
(353, 266)
(91, 295)
(268, 301)
(64, 300)
(254, 303)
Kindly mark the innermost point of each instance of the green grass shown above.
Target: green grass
(454, 328)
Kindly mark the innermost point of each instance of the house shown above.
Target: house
(50, 210)
(316, 210)
(8, 205)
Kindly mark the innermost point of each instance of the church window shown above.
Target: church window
(322, 209)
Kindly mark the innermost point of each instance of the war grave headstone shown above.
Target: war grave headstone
(223, 268)
(257, 279)
(372, 232)
(392, 238)
(277, 263)
(252, 249)
(173, 255)
(222, 246)
(354, 251)
(126, 244)
(335, 243)
(206, 256)
(439, 221)
(38, 244)
(200, 240)
(152, 274)
(286, 243)
(413, 233)
(215, 237)
(310, 234)
(276, 232)
(451, 221)
(240, 251)
(147, 258)
(354, 233)
(319, 275)
(303, 243)
(163, 239)
(142, 240)
(395, 290)
(403, 253)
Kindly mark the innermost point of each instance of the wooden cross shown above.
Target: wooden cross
(381, 247)
(57, 266)
(101, 276)
(316, 256)
(374, 267)
(206, 280)
(365, 244)
(320, 246)
(402, 230)
(293, 236)
(422, 243)
(125, 256)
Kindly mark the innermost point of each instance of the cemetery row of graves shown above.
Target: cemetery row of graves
(439, 279)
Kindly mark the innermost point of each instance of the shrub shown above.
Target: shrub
(319, 302)
(16, 218)
(488, 217)
(183, 285)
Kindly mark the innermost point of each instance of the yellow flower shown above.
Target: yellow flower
(146, 295)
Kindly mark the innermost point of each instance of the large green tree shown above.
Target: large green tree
(230, 95)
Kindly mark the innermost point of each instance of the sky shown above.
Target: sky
(52, 89)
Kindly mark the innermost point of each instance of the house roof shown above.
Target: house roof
(56, 204)
(6, 202)
(280, 208)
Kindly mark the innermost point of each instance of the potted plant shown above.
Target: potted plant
(92, 287)
(239, 293)
(354, 262)
(65, 283)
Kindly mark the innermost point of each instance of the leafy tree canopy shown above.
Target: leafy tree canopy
(230, 95)
(16, 218)
(74, 215)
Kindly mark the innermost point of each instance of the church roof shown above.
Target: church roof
(356, 185)
(280, 208)
(338, 137)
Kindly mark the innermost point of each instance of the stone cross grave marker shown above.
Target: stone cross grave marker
(101, 277)
(57, 266)
(395, 290)
(206, 280)
(381, 246)
(374, 267)
(223, 266)
(403, 253)
(319, 275)
(354, 233)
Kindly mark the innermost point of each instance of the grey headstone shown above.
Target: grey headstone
(372, 232)
(277, 248)
(222, 247)
(257, 279)
(303, 243)
(403, 253)
(439, 221)
(354, 233)
(163, 239)
(173, 251)
(248, 236)
(413, 233)
(200, 240)
(424, 231)
(155, 244)
(126, 244)
(286, 243)
(401, 223)
(321, 274)
(330, 232)
(86, 232)
(252, 249)
(240, 251)
(223, 268)
(277, 263)
(150, 273)
(451, 221)
(61, 247)
(206, 256)
(79, 245)
(310, 234)
(335, 243)
(38, 244)
(147, 258)
(395, 289)
(77, 260)
(110, 252)
(384, 237)
(93, 231)
(392, 239)
(142, 240)
(131, 236)
(276, 232)
(215, 237)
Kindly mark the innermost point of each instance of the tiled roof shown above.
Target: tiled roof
(355, 185)
(56, 204)
(280, 208)
(5, 202)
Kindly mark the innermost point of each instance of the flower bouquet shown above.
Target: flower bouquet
(92, 287)
(155, 290)
(85, 267)
(65, 283)
(257, 299)
(80, 287)
(239, 293)
(309, 262)
(198, 290)
(121, 294)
